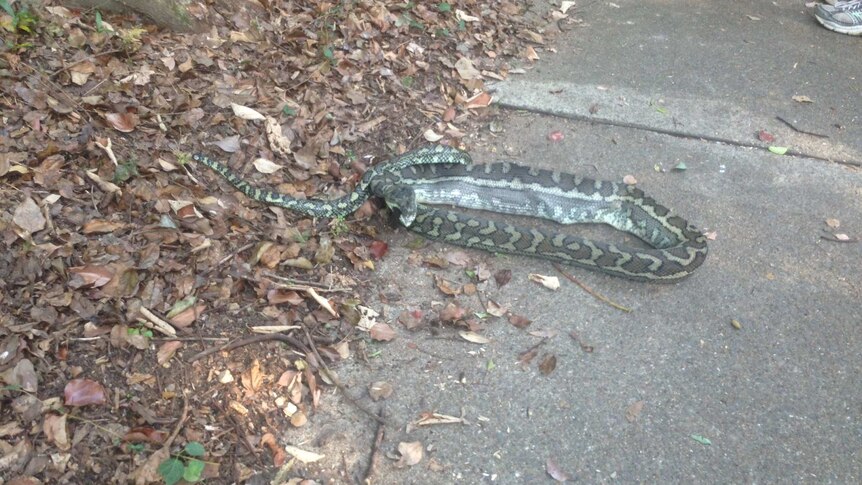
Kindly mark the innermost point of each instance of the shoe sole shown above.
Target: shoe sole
(842, 29)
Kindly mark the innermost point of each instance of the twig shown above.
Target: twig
(90, 57)
(375, 450)
(295, 284)
(798, 130)
(107, 148)
(590, 291)
(335, 380)
(248, 341)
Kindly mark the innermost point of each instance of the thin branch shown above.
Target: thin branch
(589, 290)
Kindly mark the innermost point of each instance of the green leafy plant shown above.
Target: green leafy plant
(125, 171)
(185, 465)
(22, 19)
(339, 227)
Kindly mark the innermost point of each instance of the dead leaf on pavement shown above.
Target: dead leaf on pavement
(634, 411)
(84, 392)
(411, 453)
(556, 472)
(548, 364)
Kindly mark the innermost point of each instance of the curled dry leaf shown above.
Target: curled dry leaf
(303, 455)
(431, 136)
(246, 113)
(22, 375)
(802, 99)
(93, 275)
(474, 337)
(503, 277)
(630, 180)
(833, 223)
(556, 472)
(765, 136)
(411, 453)
(466, 70)
(549, 282)
(83, 392)
(495, 309)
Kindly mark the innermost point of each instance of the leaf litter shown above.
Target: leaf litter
(118, 250)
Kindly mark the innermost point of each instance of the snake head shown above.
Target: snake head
(401, 199)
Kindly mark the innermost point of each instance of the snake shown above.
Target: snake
(417, 184)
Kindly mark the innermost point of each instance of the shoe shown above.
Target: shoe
(843, 17)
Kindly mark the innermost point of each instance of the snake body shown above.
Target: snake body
(444, 176)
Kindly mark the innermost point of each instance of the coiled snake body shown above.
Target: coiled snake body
(444, 176)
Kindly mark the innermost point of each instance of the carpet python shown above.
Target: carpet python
(440, 175)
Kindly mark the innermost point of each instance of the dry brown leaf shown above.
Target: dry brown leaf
(495, 309)
(556, 472)
(167, 351)
(381, 332)
(802, 99)
(474, 337)
(246, 113)
(101, 226)
(122, 122)
(466, 70)
(411, 453)
(84, 392)
(29, 217)
(549, 282)
(303, 455)
(548, 364)
(634, 411)
(833, 223)
(253, 377)
(380, 390)
(265, 166)
(54, 428)
(519, 321)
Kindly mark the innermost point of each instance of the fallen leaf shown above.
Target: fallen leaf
(380, 390)
(474, 337)
(548, 364)
(524, 358)
(502, 277)
(452, 313)
(833, 223)
(518, 321)
(700, 439)
(556, 136)
(549, 282)
(122, 122)
(265, 166)
(22, 375)
(229, 144)
(381, 332)
(630, 180)
(431, 136)
(29, 217)
(495, 309)
(634, 411)
(555, 471)
(466, 70)
(54, 428)
(778, 150)
(84, 392)
(303, 455)
(765, 137)
(167, 351)
(246, 113)
(802, 99)
(411, 453)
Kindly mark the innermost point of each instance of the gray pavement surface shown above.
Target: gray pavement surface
(780, 400)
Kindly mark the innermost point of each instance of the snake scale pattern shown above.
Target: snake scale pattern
(411, 183)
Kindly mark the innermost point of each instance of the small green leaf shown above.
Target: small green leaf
(194, 448)
(407, 81)
(444, 7)
(700, 439)
(327, 53)
(182, 306)
(136, 447)
(778, 150)
(7, 7)
(481, 315)
(287, 110)
(194, 470)
(491, 365)
(661, 109)
(171, 471)
(99, 27)
(470, 273)
(679, 167)
(125, 171)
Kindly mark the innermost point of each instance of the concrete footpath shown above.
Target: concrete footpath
(671, 392)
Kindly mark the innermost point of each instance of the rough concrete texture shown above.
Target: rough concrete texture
(779, 399)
